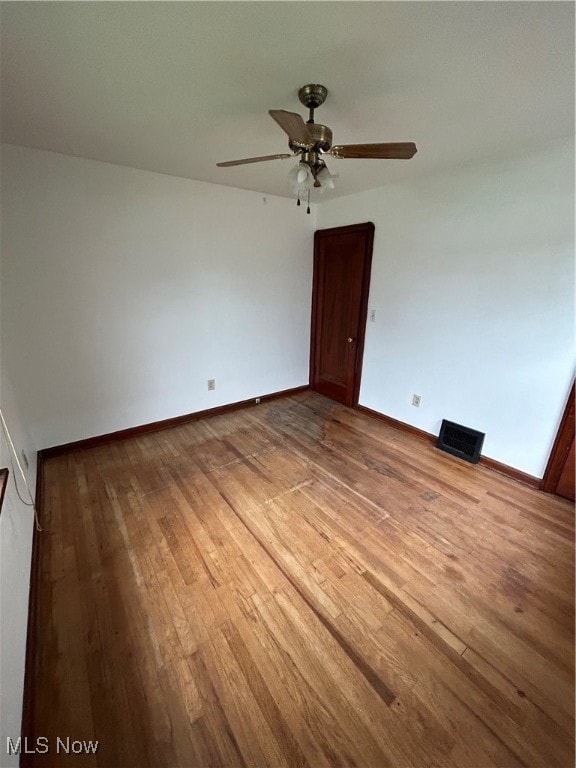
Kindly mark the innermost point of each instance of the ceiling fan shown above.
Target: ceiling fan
(311, 141)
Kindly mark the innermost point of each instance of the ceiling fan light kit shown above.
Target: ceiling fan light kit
(309, 141)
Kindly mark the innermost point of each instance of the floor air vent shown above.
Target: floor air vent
(460, 441)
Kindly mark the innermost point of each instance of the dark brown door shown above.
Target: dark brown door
(342, 260)
(559, 475)
(565, 485)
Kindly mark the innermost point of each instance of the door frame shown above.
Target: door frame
(560, 449)
(366, 228)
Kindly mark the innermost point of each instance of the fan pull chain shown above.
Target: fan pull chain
(299, 203)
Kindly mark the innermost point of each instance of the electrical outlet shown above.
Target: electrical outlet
(416, 400)
(372, 315)
(211, 383)
(25, 459)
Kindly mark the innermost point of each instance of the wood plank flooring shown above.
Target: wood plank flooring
(298, 584)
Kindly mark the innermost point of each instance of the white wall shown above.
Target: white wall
(473, 287)
(16, 528)
(124, 291)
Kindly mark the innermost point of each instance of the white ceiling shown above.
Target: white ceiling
(176, 87)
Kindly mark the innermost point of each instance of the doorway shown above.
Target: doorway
(342, 263)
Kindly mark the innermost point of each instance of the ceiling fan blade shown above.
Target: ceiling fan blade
(399, 151)
(253, 160)
(295, 127)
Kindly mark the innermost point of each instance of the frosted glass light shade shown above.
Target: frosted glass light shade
(301, 178)
(326, 178)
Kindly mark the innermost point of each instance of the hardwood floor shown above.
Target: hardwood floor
(298, 584)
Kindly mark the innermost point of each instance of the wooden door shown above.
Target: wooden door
(342, 261)
(565, 485)
(559, 475)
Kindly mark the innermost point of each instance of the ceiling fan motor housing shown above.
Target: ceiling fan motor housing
(321, 139)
